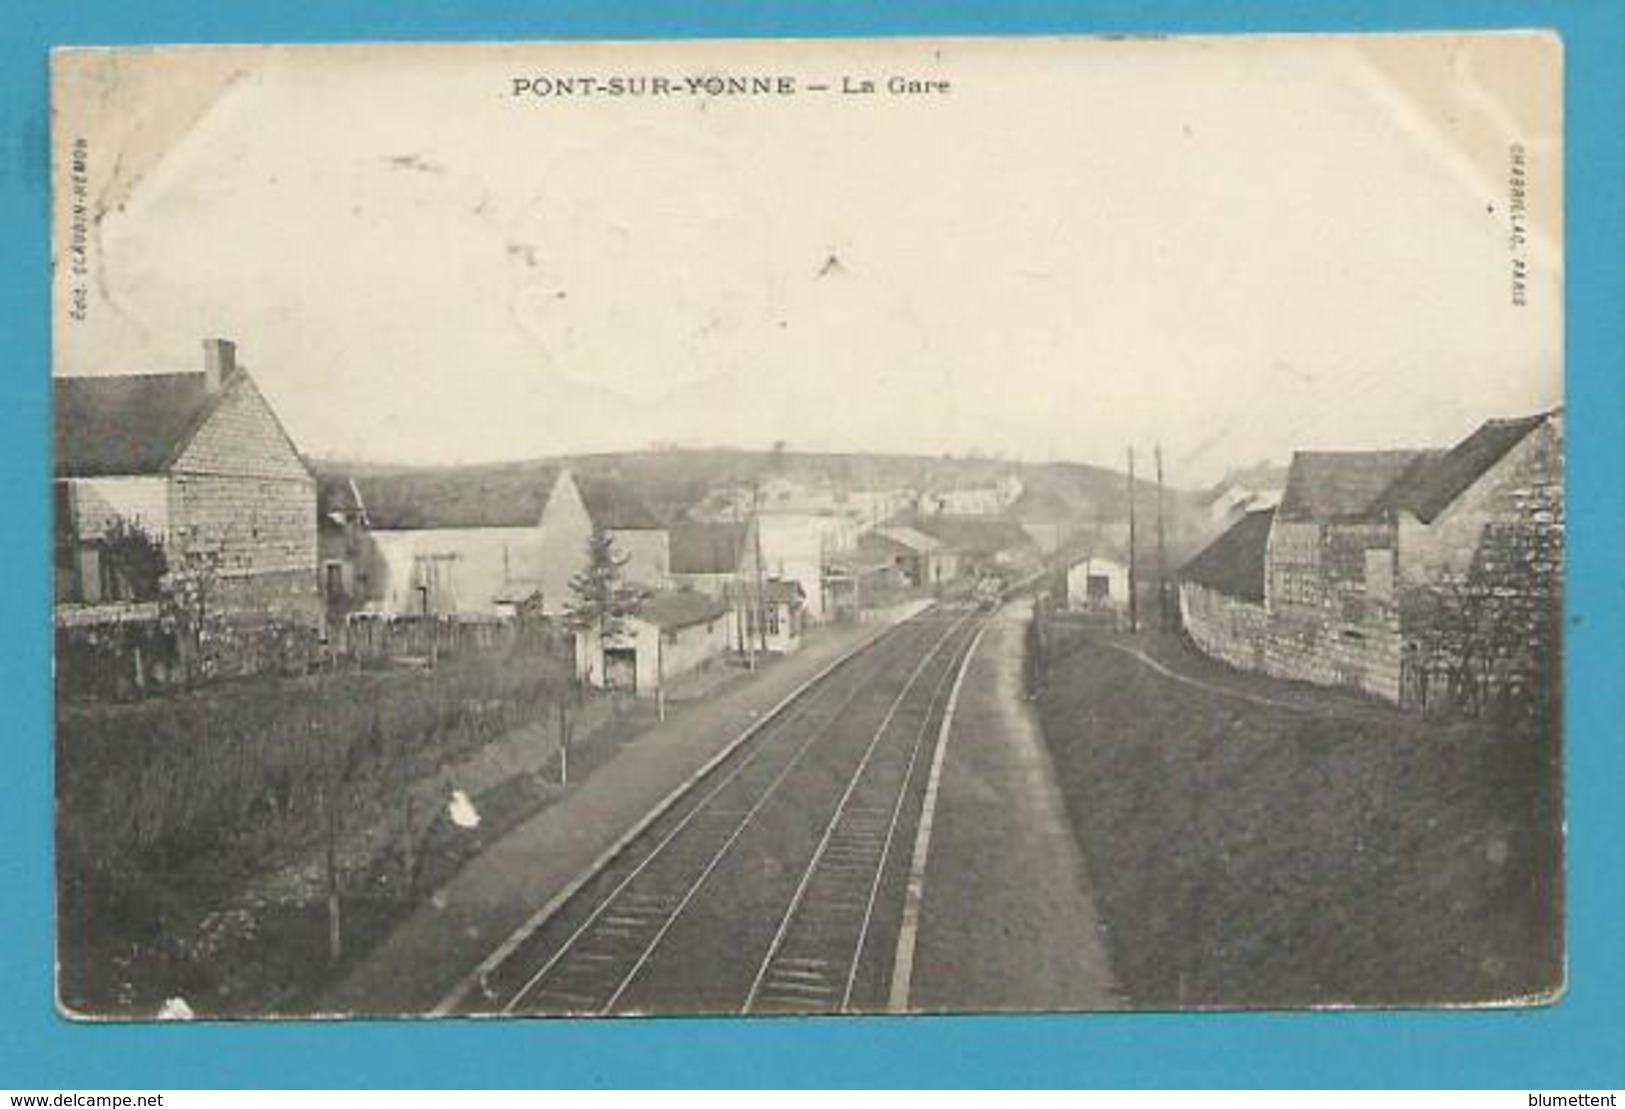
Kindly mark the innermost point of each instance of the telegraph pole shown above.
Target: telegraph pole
(1133, 576)
(761, 585)
(1162, 553)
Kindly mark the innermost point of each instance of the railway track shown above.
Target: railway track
(773, 883)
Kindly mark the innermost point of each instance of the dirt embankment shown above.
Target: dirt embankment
(1302, 846)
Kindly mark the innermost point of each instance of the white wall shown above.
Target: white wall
(473, 566)
(648, 556)
(793, 546)
(1077, 581)
(140, 500)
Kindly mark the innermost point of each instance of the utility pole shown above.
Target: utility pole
(761, 587)
(1133, 576)
(1162, 553)
(747, 636)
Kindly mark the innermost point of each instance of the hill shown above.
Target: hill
(1082, 499)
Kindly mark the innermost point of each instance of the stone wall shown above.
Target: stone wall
(242, 501)
(1482, 587)
(1233, 631)
(1460, 614)
(1243, 634)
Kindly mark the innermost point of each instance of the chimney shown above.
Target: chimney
(219, 362)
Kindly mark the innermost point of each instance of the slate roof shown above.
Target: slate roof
(508, 495)
(454, 497)
(1233, 564)
(783, 591)
(126, 424)
(698, 548)
(975, 535)
(614, 506)
(1325, 486)
(1433, 486)
(907, 537)
(677, 609)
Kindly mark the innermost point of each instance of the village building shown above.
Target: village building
(980, 500)
(672, 634)
(797, 546)
(200, 462)
(783, 608)
(1096, 584)
(719, 560)
(341, 535)
(853, 579)
(715, 558)
(921, 559)
(441, 542)
(1239, 492)
(1416, 576)
(979, 544)
(478, 541)
(577, 506)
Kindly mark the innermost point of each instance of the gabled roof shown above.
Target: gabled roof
(904, 536)
(1325, 486)
(683, 608)
(698, 548)
(129, 424)
(783, 591)
(1233, 564)
(613, 505)
(1433, 486)
(500, 495)
(974, 535)
(454, 497)
(337, 495)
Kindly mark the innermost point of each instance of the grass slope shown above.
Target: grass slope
(1247, 855)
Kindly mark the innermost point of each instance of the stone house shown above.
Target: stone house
(1417, 576)
(199, 461)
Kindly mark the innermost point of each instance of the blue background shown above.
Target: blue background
(1575, 1044)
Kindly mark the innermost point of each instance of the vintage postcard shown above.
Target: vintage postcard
(767, 527)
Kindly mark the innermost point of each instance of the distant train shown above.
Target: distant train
(989, 591)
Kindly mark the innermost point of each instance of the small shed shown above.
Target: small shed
(672, 633)
(1097, 584)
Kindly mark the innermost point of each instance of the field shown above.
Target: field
(1326, 850)
(198, 834)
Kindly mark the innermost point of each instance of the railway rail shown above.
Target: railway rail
(774, 883)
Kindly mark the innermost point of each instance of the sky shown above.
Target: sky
(1231, 247)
